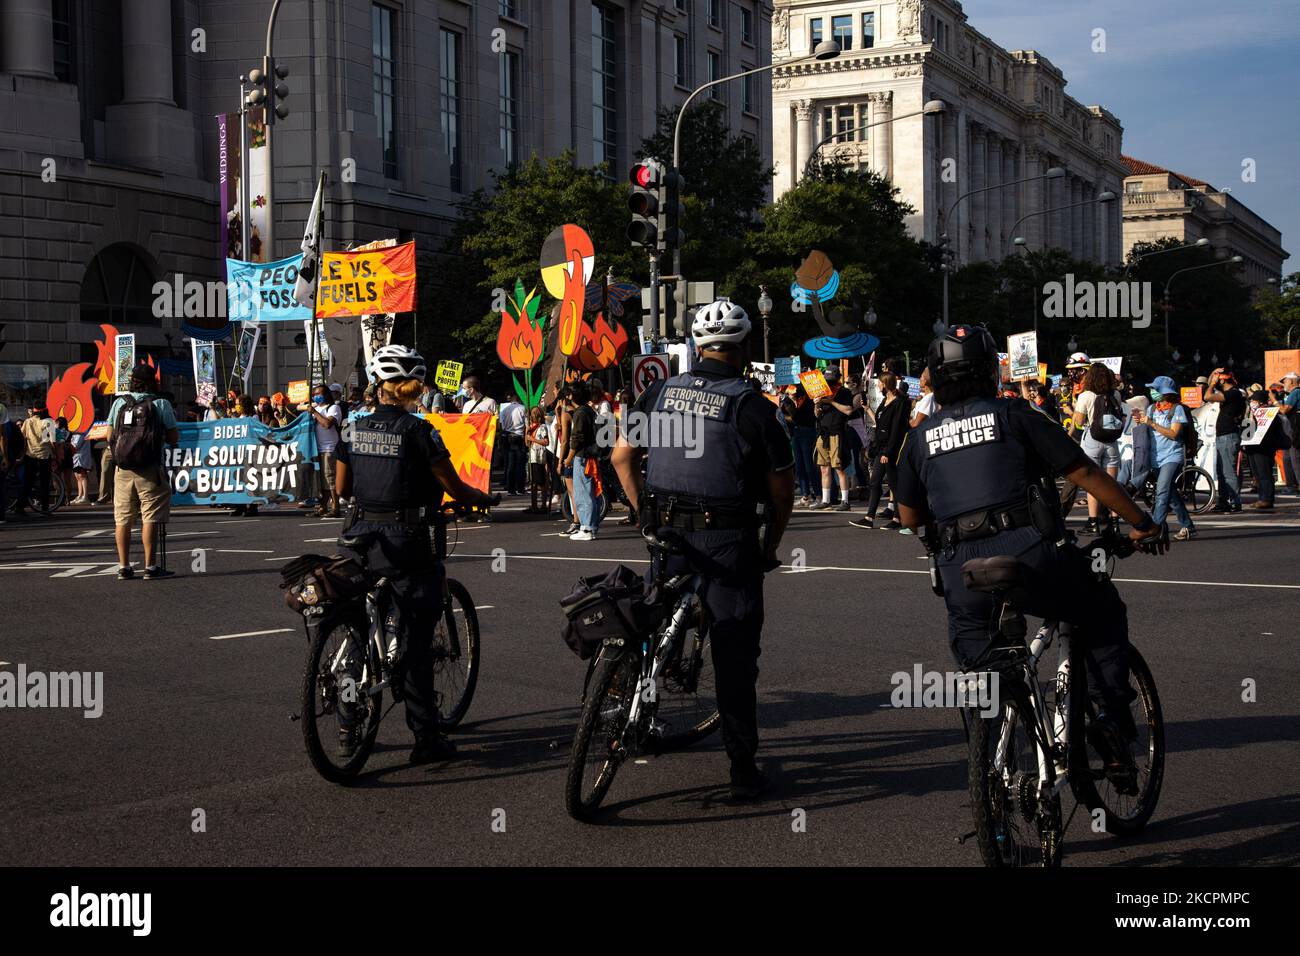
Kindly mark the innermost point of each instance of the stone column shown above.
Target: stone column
(803, 111)
(1076, 220)
(1012, 209)
(1089, 225)
(961, 215)
(147, 51)
(979, 201)
(1034, 229)
(882, 111)
(947, 187)
(997, 197)
(28, 38)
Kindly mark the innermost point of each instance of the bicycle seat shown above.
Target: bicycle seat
(996, 575)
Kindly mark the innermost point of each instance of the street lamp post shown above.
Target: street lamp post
(1198, 244)
(826, 50)
(1234, 260)
(1102, 197)
(931, 108)
(1056, 172)
(765, 310)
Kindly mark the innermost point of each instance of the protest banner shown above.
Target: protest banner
(469, 440)
(1191, 397)
(264, 291)
(98, 432)
(787, 370)
(205, 371)
(240, 461)
(124, 350)
(366, 282)
(298, 392)
(1257, 424)
(766, 375)
(319, 360)
(1004, 367)
(447, 377)
(243, 367)
(814, 383)
(1022, 348)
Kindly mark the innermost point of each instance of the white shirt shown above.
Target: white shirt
(925, 406)
(327, 438)
(474, 406)
(514, 418)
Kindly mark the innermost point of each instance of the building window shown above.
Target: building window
(117, 289)
(681, 4)
(715, 13)
(750, 101)
(842, 31)
(681, 59)
(508, 8)
(814, 31)
(828, 122)
(846, 125)
(1133, 186)
(510, 106)
(747, 26)
(383, 25)
(61, 20)
(715, 73)
(604, 87)
(868, 30)
(449, 79)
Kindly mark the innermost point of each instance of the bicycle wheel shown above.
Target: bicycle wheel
(1197, 489)
(58, 494)
(687, 697)
(1124, 813)
(455, 655)
(594, 759)
(1013, 825)
(338, 710)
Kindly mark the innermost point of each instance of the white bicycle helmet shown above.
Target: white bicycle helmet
(396, 362)
(720, 323)
(1078, 360)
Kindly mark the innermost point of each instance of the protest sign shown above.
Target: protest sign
(469, 440)
(814, 383)
(205, 371)
(1191, 397)
(298, 392)
(766, 375)
(1114, 363)
(1257, 424)
(1022, 348)
(263, 291)
(1280, 362)
(366, 282)
(447, 377)
(124, 349)
(787, 370)
(240, 461)
(243, 367)
(913, 386)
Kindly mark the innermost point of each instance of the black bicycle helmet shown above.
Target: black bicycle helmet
(963, 352)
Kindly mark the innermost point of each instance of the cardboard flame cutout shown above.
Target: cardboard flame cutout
(568, 262)
(520, 344)
(71, 395)
(600, 346)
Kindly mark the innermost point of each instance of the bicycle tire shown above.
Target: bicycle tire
(710, 718)
(1085, 764)
(988, 794)
(316, 748)
(566, 508)
(1196, 501)
(613, 677)
(452, 711)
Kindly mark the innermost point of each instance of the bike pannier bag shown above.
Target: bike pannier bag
(315, 579)
(602, 606)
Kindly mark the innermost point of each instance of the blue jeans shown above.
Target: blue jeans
(805, 472)
(1225, 469)
(584, 495)
(1167, 496)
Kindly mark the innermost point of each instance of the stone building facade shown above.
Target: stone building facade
(109, 153)
(1008, 118)
(1161, 204)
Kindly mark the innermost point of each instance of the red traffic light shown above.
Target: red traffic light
(644, 175)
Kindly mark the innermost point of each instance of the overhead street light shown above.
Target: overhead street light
(931, 108)
(1198, 244)
(1234, 260)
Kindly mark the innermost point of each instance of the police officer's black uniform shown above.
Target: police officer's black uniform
(711, 496)
(972, 466)
(390, 454)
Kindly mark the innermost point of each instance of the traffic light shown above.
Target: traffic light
(671, 235)
(269, 89)
(645, 202)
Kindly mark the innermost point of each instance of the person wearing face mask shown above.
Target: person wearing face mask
(395, 467)
(1167, 419)
(1261, 454)
(328, 416)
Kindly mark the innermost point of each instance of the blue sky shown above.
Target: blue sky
(1198, 85)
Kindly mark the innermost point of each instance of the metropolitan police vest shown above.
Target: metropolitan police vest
(695, 446)
(380, 455)
(969, 458)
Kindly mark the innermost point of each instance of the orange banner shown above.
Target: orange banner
(469, 440)
(363, 283)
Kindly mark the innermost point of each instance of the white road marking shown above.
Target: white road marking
(238, 521)
(227, 637)
(83, 551)
(243, 551)
(96, 533)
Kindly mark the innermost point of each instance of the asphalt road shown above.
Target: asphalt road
(192, 722)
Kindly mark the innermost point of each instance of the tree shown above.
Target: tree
(499, 237)
(727, 181)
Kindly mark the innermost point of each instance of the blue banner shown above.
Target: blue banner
(240, 461)
(263, 291)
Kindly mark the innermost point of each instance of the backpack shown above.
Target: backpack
(1107, 419)
(1191, 440)
(137, 435)
(605, 607)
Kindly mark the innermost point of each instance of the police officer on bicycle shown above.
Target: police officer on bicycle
(718, 466)
(979, 477)
(395, 466)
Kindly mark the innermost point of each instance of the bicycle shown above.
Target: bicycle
(1194, 485)
(654, 694)
(351, 661)
(1023, 757)
(13, 478)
